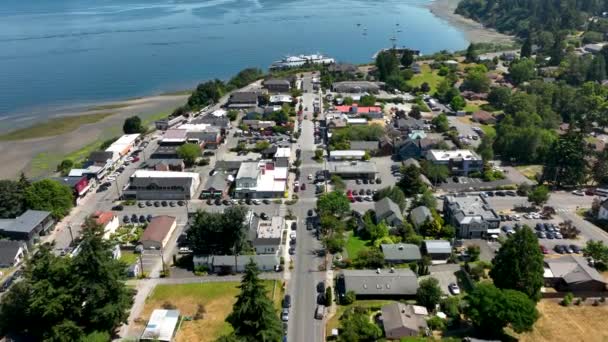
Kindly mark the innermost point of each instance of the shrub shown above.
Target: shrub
(349, 298)
(435, 323)
(200, 312)
(567, 299)
(168, 306)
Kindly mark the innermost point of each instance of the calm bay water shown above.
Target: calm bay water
(60, 52)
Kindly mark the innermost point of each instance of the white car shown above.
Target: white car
(454, 289)
(578, 192)
(292, 235)
(310, 176)
(255, 201)
(111, 179)
(285, 315)
(296, 184)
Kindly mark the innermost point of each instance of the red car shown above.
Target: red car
(135, 159)
(303, 186)
(544, 249)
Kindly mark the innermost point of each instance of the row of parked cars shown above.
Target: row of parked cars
(562, 249)
(137, 219)
(249, 201)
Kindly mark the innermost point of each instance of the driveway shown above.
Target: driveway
(444, 274)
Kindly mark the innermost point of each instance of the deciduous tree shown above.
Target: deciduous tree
(428, 293)
(51, 196)
(132, 125)
(333, 203)
(189, 153)
(218, 233)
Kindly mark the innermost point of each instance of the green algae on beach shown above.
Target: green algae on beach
(54, 127)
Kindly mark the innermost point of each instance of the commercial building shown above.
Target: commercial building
(280, 99)
(27, 227)
(388, 211)
(358, 110)
(346, 155)
(162, 185)
(400, 253)
(215, 187)
(243, 99)
(471, 216)
(165, 124)
(265, 235)
(276, 85)
(161, 326)
(159, 230)
(261, 179)
(11, 253)
(573, 274)
(352, 169)
(356, 87)
(459, 162)
(438, 250)
(78, 184)
(402, 320)
(378, 283)
(226, 264)
(123, 145)
(232, 161)
(166, 164)
(175, 136)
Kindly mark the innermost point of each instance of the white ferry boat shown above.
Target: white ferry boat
(300, 60)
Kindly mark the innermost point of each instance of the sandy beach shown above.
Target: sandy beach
(36, 157)
(474, 31)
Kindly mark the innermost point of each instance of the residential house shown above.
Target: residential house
(108, 221)
(374, 148)
(572, 273)
(483, 117)
(102, 158)
(419, 215)
(378, 283)
(388, 211)
(356, 87)
(353, 169)
(162, 326)
(402, 320)
(471, 216)
(27, 227)
(79, 186)
(416, 148)
(158, 233)
(226, 264)
(265, 235)
(459, 162)
(400, 253)
(276, 85)
(243, 99)
(261, 179)
(438, 250)
(161, 185)
(11, 253)
(408, 124)
(215, 187)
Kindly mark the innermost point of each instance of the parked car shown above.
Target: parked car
(157, 204)
(310, 212)
(321, 287)
(142, 219)
(126, 219)
(287, 301)
(141, 204)
(263, 216)
(575, 249)
(172, 204)
(559, 249)
(543, 249)
(285, 315)
(454, 289)
(149, 217)
(181, 203)
(163, 203)
(578, 192)
(118, 207)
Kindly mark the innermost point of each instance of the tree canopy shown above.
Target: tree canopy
(333, 203)
(12, 198)
(51, 196)
(410, 182)
(68, 298)
(429, 293)
(387, 64)
(253, 316)
(355, 325)
(519, 264)
(189, 152)
(218, 233)
(133, 125)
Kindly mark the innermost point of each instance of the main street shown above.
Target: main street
(303, 327)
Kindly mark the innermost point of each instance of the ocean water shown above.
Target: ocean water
(56, 53)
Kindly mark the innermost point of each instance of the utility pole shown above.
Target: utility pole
(162, 260)
(141, 263)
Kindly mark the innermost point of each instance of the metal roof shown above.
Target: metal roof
(161, 325)
(438, 246)
(401, 251)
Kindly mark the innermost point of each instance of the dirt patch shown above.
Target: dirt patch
(574, 323)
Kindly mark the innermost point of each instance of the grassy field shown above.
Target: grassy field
(471, 107)
(217, 299)
(353, 245)
(149, 119)
(334, 322)
(488, 129)
(54, 127)
(558, 323)
(427, 75)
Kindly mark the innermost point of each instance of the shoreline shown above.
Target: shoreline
(473, 31)
(39, 156)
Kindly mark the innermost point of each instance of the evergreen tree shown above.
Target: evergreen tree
(407, 58)
(12, 199)
(526, 48)
(566, 162)
(471, 55)
(519, 264)
(253, 316)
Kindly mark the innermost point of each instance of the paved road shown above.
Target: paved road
(302, 325)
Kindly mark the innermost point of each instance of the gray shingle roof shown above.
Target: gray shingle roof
(398, 315)
(438, 246)
(573, 269)
(8, 251)
(244, 97)
(216, 182)
(364, 145)
(24, 223)
(385, 207)
(400, 251)
(419, 215)
(368, 282)
(267, 260)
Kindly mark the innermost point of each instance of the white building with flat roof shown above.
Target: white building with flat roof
(459, 162)
(123, 145)
(268, 235)
(162, 185)
(263, 179)
(346, 155)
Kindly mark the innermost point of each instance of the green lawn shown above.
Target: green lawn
(54, 127)
(334, 322)
(149, 119)
(471, 107)
(217, 299)
(427, 75)
(488, 129)
(128, 257)
(353, 245)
